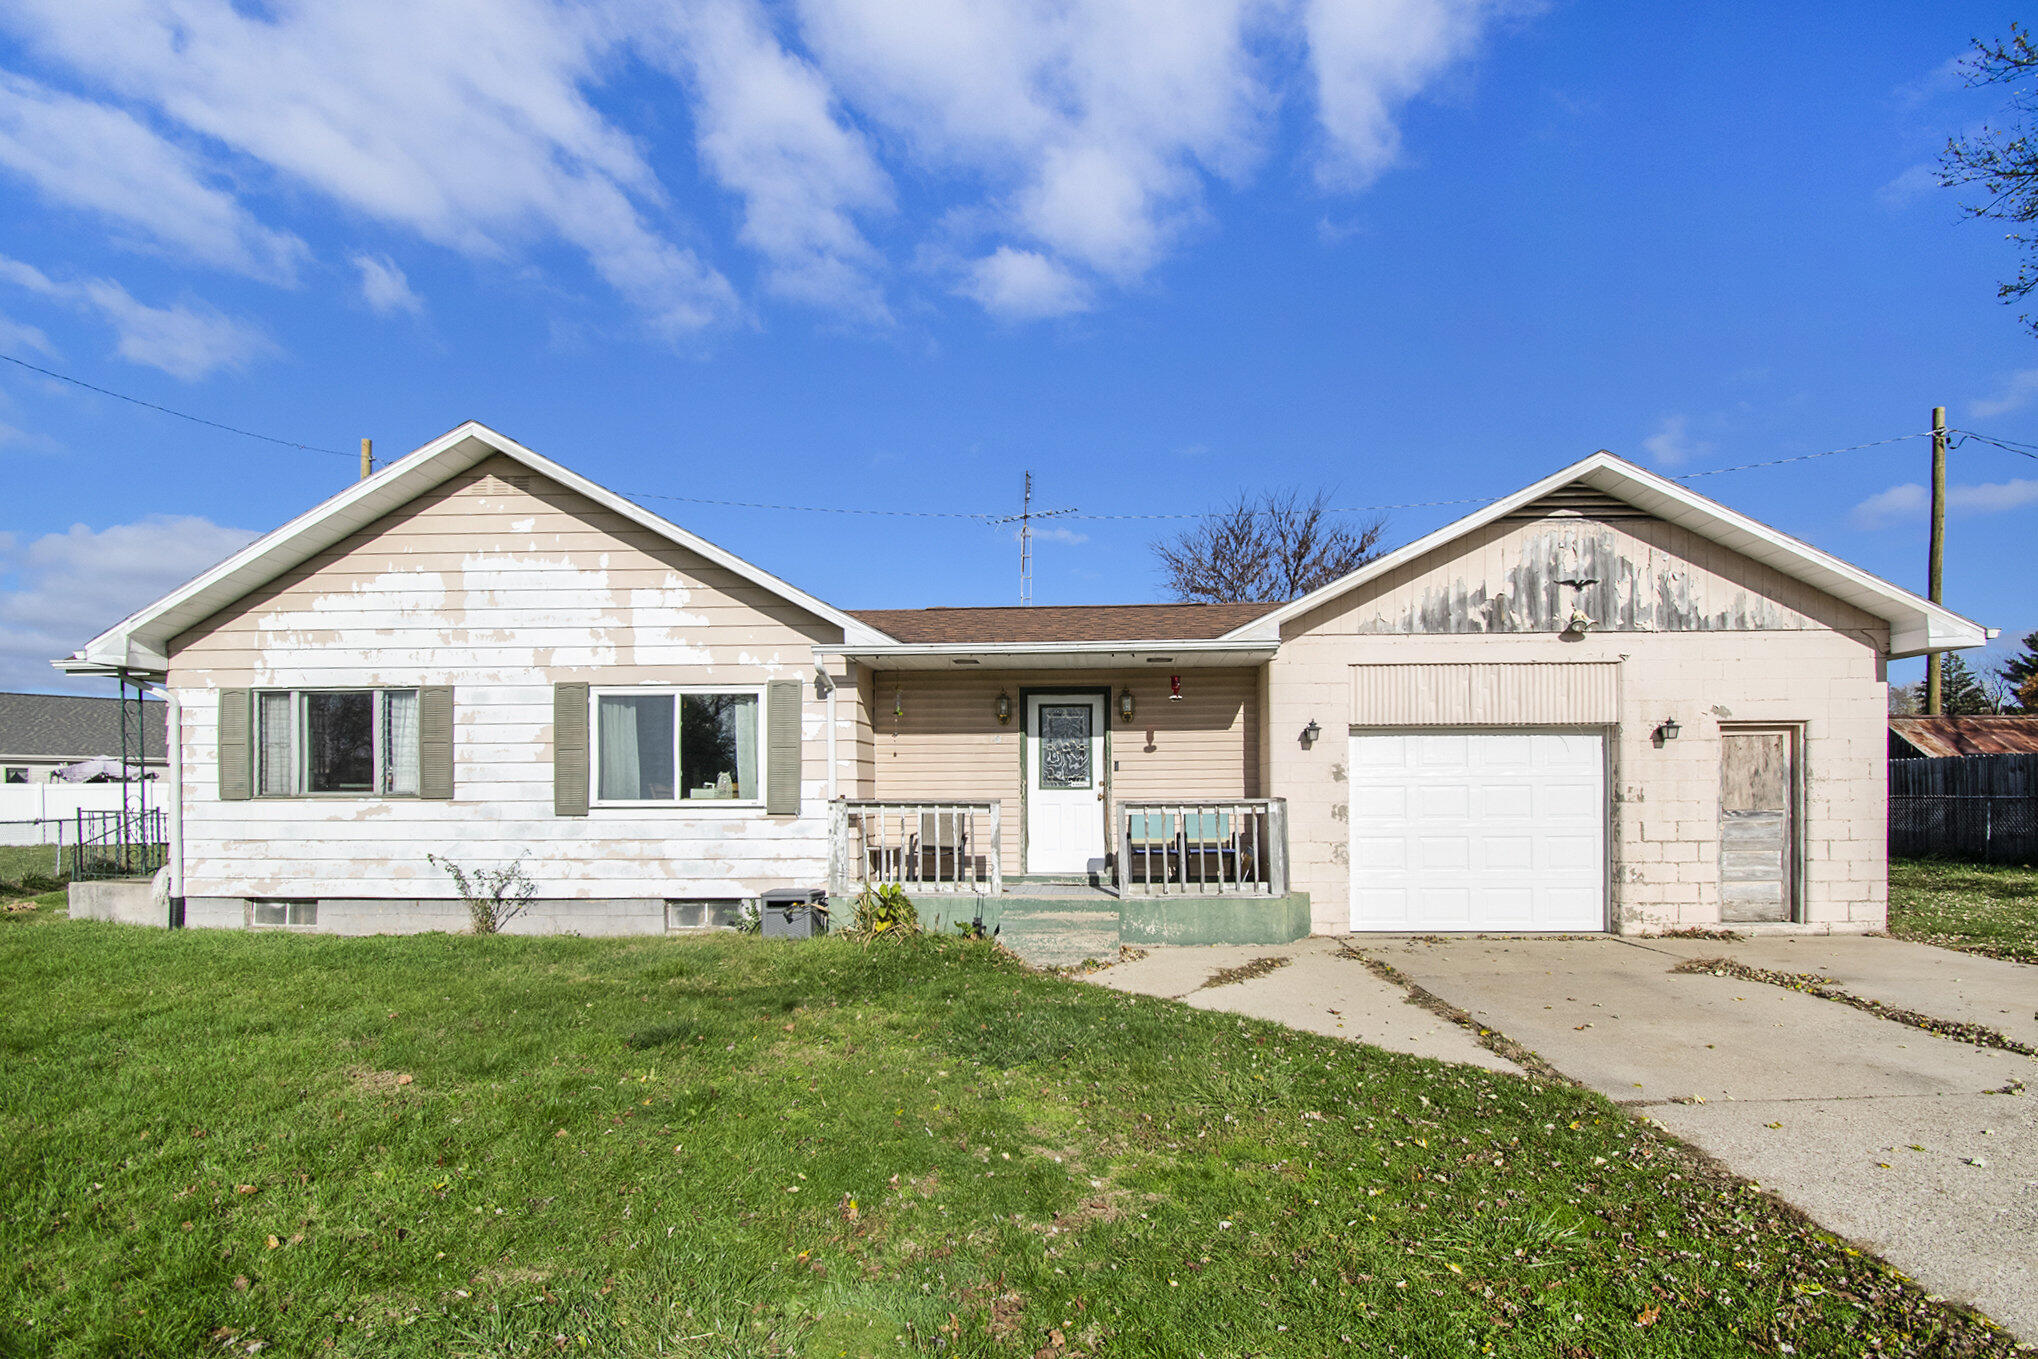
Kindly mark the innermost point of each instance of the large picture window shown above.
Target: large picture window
(677, 746)
(359, 741)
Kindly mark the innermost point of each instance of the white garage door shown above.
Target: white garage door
(1458, 830)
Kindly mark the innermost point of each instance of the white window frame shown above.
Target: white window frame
(300, 718)
(712, 806)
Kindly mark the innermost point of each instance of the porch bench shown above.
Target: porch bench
(1202, 840)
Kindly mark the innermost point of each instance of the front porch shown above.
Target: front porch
(1182, 872)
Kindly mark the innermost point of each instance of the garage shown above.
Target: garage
(1464, 830)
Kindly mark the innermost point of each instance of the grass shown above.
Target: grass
(438, 1145)
(32, 861)
(1982, 908)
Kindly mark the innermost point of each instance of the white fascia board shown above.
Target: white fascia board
(1916, 624)
(146, 632)
(1243, 650)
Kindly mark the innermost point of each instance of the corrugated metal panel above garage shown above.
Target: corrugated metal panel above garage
(1552, 694)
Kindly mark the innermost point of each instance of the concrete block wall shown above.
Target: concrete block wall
(1664, 799)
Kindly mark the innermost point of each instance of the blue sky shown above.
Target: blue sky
(849, 253)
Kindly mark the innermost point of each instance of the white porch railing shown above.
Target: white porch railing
(1224, 846)
(929, 846)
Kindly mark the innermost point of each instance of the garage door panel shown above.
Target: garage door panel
(1474, 830)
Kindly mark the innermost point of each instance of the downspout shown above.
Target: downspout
(828, 690)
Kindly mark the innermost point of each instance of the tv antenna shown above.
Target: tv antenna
(1024, 519)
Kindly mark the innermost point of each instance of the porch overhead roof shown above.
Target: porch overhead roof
(1916, 625)
(139, 644)
(1176, 654)
(1061, 622)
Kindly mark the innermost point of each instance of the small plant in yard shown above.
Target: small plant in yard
(749, 918)
(884, 909)
(494, 896)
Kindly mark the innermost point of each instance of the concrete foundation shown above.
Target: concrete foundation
(125, 901)
(398, 915)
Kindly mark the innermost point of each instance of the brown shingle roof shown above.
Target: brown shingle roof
(1942, 736)
(1062, 623)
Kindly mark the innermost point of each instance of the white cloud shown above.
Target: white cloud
(1368, 59)
(464, 122)
(767, 130)
(1907, 188)
(88, 155)
(18, 337)
(1672, 445)
(384, 287)
(2017, 392)
(60, 590)
(185, 341)
(1055, 147)
(1910, 503)
(1023, 285)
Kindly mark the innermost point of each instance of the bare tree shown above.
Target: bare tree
(1274, 546)
(2001, 161)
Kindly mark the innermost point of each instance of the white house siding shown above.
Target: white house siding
(500, 584)
(1814, 661)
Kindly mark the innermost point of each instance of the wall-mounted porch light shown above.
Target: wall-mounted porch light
(1667, 730)
(1125, 703)
(1311, 732)
(1002, 707)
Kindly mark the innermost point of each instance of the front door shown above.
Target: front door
(1758, 830)
(1064, 783)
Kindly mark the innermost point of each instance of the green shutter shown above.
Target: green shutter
(236, 767)
(569, 749)
(782, 748)
(435, 741)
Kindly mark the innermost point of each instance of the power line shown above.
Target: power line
(1802, 457)
(809, 509)
(2007, 445)
(181, 415)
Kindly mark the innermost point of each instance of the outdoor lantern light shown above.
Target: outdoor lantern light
(1668, 731)
(1003, 707)
(1311, 732)
(1125, 703)
(898, 703)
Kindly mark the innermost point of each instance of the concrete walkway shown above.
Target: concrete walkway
(1316, 990)
(1884, 1132)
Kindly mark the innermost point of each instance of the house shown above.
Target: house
(1925, 738)
(42, 733)
(1601, 703)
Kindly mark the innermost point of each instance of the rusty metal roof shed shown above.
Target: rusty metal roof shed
(1938, 737)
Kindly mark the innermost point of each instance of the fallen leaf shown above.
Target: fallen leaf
(1647, 1316)
(404, 1079)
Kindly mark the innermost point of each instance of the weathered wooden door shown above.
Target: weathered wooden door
(1758, 824)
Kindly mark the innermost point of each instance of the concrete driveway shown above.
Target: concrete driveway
(1886, 1133)
(1921, 1147)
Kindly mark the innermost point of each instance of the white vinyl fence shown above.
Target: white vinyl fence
(47, 813)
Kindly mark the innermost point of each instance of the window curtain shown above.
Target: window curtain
(743, 717)
(621, 773)
(273, 725)
(400, 741)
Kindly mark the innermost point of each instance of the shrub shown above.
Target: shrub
(884, 910)
(494, 896)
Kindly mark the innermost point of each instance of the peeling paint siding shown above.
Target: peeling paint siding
(1647, 576)
(1817, 663)
(500, 591)
(947, 744)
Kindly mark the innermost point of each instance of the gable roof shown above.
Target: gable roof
(1062, 622)
(139, 642)
(1916, 625)
(1985, 735)
(73, 727)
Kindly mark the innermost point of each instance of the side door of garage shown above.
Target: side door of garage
(1457, 830)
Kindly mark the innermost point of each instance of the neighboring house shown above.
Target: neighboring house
(41, 733)
(1924, 738)
(1603, 702)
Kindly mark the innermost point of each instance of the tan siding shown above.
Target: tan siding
(1554, 693)
(498, 590)
(946, 744)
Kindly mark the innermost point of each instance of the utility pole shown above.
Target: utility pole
(1936, 571)
(1024, 519)
(367, 459)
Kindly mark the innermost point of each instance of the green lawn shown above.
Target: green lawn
(20, 861)
(1984, 908)
(729, 1146)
